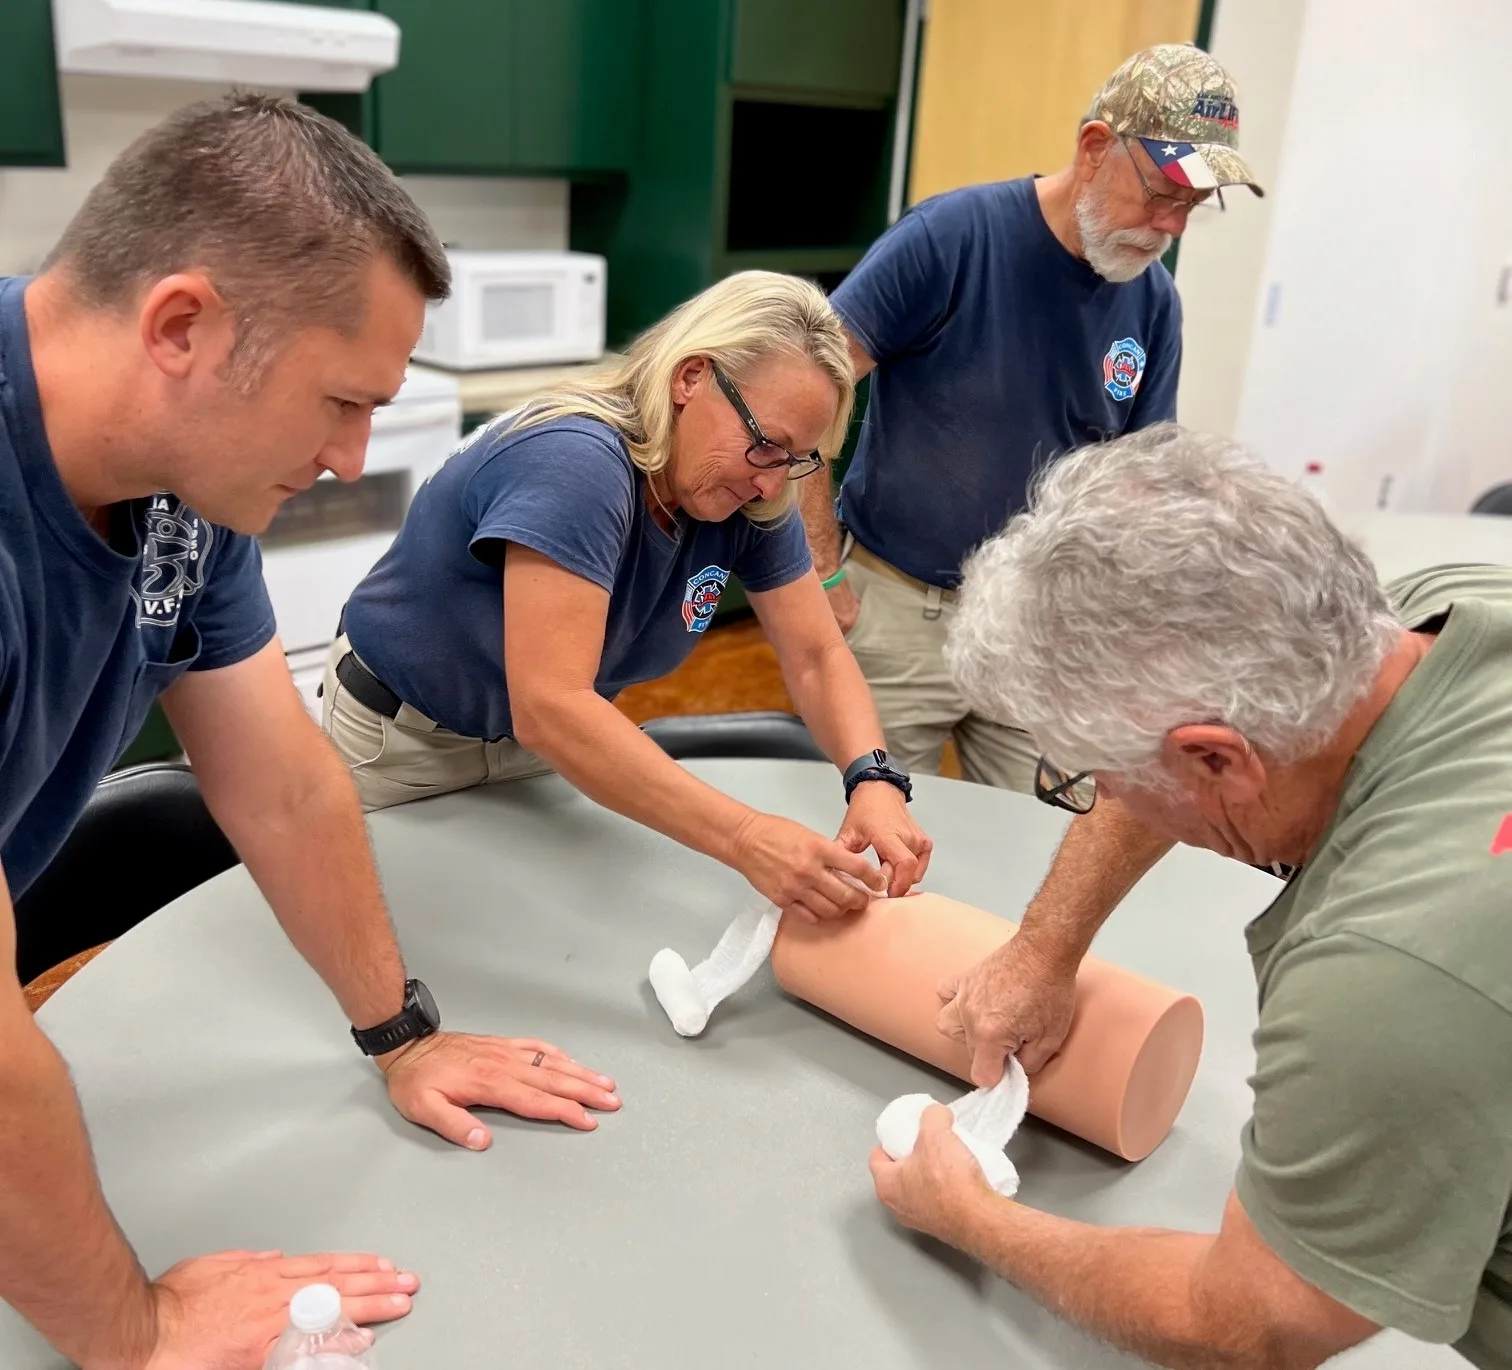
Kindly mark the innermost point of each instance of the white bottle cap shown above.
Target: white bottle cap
(316, 1308)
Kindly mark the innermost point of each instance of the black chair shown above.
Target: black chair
(765, 733)
(144, 838)
(1496, 500)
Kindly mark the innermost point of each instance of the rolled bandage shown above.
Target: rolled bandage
(985, 1121)
(688, 997)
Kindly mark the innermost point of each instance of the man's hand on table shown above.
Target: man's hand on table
(224, 1312)
(1016, 1002)
(936, 1188)
(433, 1082)
(878, 818)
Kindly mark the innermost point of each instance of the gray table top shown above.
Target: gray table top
(725, 1216)
(1400, 544)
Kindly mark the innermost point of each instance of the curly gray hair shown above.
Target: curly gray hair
(1161, 579)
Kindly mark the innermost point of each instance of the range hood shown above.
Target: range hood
(253, 42)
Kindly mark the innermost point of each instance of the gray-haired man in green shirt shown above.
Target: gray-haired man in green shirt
(1190, 631)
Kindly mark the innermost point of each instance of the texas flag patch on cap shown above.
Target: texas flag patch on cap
(1181, 162)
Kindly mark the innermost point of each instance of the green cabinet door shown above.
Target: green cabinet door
(505, 87)
(840, 47)
(576, 71)
(31, 118)
(446, 106)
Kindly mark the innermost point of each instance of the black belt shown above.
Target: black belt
(366, 688)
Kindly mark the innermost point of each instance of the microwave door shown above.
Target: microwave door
(517, 319)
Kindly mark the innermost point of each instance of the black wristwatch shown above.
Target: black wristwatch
(877, 765)
(418, 1018)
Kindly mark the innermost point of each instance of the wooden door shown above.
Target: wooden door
(1004, 83)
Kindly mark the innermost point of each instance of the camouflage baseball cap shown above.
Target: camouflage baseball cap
(1181, 104)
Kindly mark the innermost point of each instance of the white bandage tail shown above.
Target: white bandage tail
(690, 996)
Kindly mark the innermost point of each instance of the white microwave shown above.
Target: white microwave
(517, 309)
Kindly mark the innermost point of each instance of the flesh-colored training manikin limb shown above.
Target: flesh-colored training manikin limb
(1122, 1074)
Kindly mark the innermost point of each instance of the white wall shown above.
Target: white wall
(1380, 349)
(489, 214)
(102, 114)
(1219, 267)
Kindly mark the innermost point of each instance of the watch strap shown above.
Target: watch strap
(876, 765)
(401, 1028)
(408, 1025)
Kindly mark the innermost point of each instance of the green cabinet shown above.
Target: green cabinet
(576, 84)
(31, 117)
(766, 143)
(504, 87)
(841, 46)
(447, 105)
(702, 137)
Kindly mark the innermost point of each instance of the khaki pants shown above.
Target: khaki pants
(899, 640)
(394, 760)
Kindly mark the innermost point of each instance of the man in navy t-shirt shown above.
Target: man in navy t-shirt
(1007, 325)
(211, 335)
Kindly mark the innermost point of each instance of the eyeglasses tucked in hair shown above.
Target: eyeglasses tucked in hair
(763, 453)
(1208, 201)
(1078, 792)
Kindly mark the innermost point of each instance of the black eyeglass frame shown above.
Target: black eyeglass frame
(798, 467)
(1175, 203)
(1053, 786)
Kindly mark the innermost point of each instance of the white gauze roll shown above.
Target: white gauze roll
(985, 1121)
(688, 997)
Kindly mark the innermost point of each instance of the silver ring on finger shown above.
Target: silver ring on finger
(539, 1057)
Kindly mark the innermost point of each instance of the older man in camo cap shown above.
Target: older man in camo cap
(1008, 324)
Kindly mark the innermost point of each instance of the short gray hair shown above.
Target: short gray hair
(282, 208)
(1162, 579)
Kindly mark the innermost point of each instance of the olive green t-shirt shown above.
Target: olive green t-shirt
(1378, 1163)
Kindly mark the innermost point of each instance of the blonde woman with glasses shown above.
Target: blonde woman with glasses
(580, 546)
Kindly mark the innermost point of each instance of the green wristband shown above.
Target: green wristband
(833, 580)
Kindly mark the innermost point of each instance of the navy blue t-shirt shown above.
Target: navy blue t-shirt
(429, 619)
(996, 351)
(91, 633)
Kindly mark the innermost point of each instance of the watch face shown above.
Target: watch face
(425, 1004)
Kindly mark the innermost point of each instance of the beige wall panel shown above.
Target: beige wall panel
(1004, 82)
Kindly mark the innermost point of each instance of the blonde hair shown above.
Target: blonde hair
(738, 323)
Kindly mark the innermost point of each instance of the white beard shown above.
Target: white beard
(1116, 254)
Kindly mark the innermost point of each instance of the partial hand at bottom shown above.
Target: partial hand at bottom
(936, 1188)
(224, 1312)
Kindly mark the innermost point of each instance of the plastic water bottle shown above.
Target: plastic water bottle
(318, 1337)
